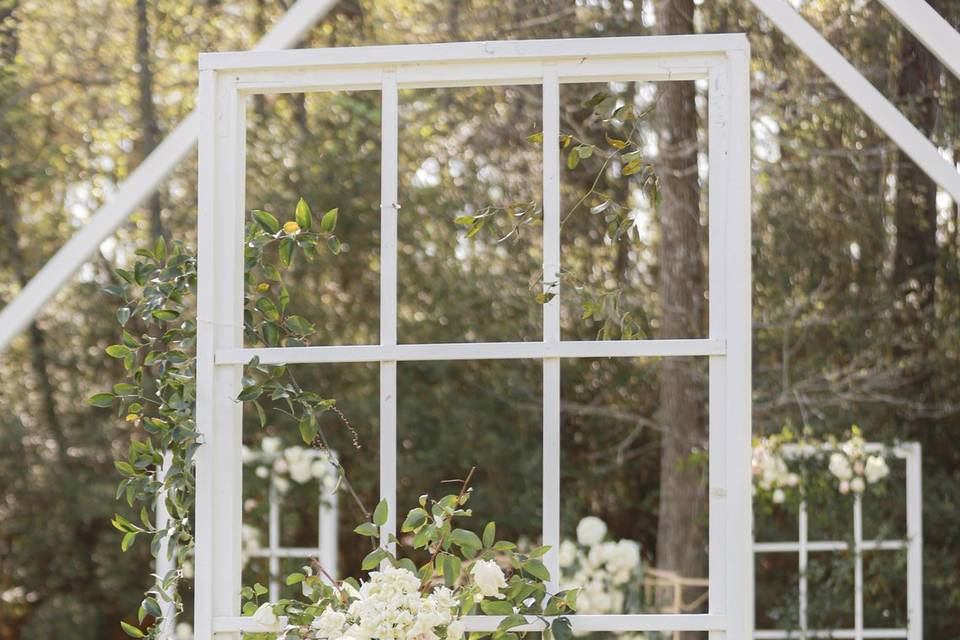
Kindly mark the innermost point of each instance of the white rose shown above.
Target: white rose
(265, 615)
(591, 530)
(455, 630)
(330, 623)
(844, 487)
(840, 466)
(858, 485)
(779, 496)
(489, 577)
(282, 484)
(183, 631)
(262, 472)
(270, 444)
(876, 469)
(793, 480)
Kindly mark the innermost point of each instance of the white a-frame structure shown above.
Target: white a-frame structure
(916, 15)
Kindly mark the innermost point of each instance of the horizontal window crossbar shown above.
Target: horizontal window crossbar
(780, 634)
(474, 351)
(829, 545)
(584, 623)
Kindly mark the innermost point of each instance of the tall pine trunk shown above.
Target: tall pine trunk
(681, 530)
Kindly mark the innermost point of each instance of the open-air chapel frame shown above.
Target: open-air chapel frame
(226, 79)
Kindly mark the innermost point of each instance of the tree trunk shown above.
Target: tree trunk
(915, 215)
(150, 129)
(682, 517)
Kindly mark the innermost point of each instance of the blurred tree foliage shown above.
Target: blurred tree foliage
(856, 270)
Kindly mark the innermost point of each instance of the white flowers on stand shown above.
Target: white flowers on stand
(296, 464)
(847, 462)
(609, 574)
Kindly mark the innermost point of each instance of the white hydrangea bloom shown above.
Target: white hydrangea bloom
(591, 530)
(270, 444)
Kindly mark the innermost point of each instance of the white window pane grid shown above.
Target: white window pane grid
(721, 60)
(913, 544)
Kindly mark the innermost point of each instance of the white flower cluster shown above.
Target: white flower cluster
(770, 471)
(854, 469)
(607, 573)
(848, 462)
(390, 607)
(296, 464)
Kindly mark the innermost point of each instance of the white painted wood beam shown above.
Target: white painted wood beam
(929, 27)
(863, 93)
(139, 186)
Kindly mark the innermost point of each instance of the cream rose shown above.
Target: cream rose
(265, 615)
(489, 577)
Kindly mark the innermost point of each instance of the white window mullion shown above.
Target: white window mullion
(389, 211)
(551, 320)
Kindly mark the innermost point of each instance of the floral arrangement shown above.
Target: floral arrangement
(852, 468)
(461, 574)
(608, 573)
(292, 464)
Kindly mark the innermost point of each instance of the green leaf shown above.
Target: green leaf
(286, 251)
(380, 513)
(166, 315)
(268, 309)
(496, 607)
(333, 243)
(123, 314)
(304, 219)
(573, 158)
(309, 428)
(537, 570)
(250, 393)
(464, 538)
(266, 220)
(511, 621)
(329, 221)
(414, 520)
(451, 565)
(489, 534)
(561, 629)
(101, 399)
(117, 351)
(131, 630)
(373, 558)
(367, 529)
(128, 540)
(295, 578)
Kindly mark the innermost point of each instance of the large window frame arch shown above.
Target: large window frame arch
(227, 79)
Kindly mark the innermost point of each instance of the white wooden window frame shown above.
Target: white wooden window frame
(910, 453)
(328, 509)
(226, 79)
